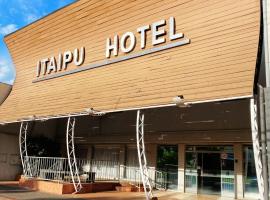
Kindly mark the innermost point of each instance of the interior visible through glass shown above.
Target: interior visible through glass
(251, 185)
(167, 161)
(210, 170)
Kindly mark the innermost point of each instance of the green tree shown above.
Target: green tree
(42, 146)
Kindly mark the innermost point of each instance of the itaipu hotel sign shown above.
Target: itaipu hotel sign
(54, 67)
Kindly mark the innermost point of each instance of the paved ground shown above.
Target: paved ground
(11, 191)
(140, 196)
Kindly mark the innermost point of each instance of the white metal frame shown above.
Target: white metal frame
(256, 147)
(142, 156)
(23, 149)
(71, 155)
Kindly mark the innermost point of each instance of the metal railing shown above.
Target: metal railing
(46, 168)
(57, 169)
(131, 175)
(161, 179)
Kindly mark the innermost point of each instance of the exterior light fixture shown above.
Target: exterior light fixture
(90, 111)
(180, 101)
(32, 117)
(93, 112)
(29, 118)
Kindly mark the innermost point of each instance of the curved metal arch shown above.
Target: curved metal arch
(148, 189)
(256, 147)
(23, 149)
(71, 155)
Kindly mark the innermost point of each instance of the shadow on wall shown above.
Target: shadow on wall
(10, 163)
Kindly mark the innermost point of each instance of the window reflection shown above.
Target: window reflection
(251, 185)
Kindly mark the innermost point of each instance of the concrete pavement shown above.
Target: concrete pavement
(11, 191)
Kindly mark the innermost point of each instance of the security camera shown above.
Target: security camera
(180, 101)
(90, 111)
(93, 112)
(31, 117)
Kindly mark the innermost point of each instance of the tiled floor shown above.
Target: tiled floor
(11, 191)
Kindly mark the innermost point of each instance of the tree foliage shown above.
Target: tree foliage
(42, 146)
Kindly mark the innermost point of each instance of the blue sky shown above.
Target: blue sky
(15, 14)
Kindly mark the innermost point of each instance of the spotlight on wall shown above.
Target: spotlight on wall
(90, 111)
(93, 112)
(31, 118)
(180, 101)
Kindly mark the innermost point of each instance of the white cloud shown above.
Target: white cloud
(4, 69)
(4, 30)
(10, 82)
(31, 17)
(29, 10)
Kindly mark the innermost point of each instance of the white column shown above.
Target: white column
(122, 160)
(238, 170)
(181, 167)
(266, 36)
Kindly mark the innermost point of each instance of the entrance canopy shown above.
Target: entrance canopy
(112, 56)
(108, 136)
(213, 122)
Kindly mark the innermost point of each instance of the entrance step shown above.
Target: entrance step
(130, 188)
(56, 187)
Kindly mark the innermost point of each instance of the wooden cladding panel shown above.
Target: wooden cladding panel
(219, 62)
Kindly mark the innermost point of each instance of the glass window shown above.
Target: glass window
(250, 178)
(167, 161)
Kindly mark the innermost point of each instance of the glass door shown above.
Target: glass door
(210, 170)
(251, 185)
(209, 173)
(191, 173)
(227, 174)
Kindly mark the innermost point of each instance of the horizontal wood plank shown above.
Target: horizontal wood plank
(219, 62)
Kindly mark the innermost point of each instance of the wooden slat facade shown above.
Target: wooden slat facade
(219, 62)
